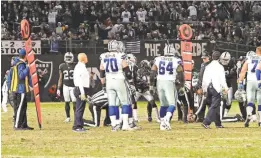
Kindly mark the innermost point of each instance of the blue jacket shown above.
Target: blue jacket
(19, 78)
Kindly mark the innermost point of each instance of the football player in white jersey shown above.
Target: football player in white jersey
(114, 68)
(253, 91)
(258, 76)
(166, 68)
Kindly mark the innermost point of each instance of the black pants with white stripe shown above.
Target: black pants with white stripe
(20, 108)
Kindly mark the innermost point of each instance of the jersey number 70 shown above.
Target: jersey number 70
(111, 65)
(163, 68)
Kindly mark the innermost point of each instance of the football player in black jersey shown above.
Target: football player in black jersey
(131, 86)
(66, 80)
(142, 87)
(230, 68)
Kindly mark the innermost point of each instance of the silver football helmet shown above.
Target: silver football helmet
(240, 95)
(250, 54)
(113, 46)
(225, 58)
(121, 47)
(68, 57)
(169, 50)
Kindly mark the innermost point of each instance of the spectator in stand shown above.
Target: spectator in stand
(125, 15)
(141, 14)
(59, 29)
(192, 11)
(256, 9)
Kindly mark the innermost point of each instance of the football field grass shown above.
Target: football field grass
(56, 139)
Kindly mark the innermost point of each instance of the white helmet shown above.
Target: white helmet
(113, 46)
(131, 58)
(250, 54)
(240, 95)
(225, 58)
(121, 47)
(169, 50)
(68, 57)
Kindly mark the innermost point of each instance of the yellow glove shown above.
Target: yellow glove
(83, 97)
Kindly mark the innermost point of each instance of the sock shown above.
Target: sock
(156, 112)
(170, 112)
(112, 115)
(135, 114)
(130, 115)
(67, 109)
(120, 113)
(249, 109)
(163, 111)
(74, 106)
(149, 109)
(254, 110)
(242, 109)
(259, 112)
(125, 115)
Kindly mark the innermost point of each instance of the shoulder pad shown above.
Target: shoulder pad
(102, 56)
(61, 65)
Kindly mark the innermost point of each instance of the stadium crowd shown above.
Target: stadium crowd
(238, 22)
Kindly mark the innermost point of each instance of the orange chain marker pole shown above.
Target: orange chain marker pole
(186, 52)
(25, 31)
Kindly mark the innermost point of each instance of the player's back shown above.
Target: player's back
(252, 63)
(112, 63)
(67, 69)
(167, 66)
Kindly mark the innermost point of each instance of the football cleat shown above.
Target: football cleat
(79, 130)
(89, 123)
(247, 121)
(67, 120)
(127, 128)
(259, 124)
(116, 128)
(134, 126)
(163, 126)
(149, 119)
(253, 118)
(205, 126)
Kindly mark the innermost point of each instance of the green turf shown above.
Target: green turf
(191, 140)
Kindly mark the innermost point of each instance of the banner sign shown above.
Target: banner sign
(155, 48)
(13, 47)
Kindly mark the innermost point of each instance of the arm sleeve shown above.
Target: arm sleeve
(135, 75)
(23, 71)
(200, 76)
(9, 78)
